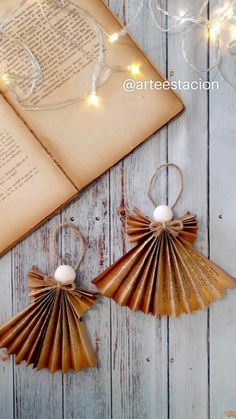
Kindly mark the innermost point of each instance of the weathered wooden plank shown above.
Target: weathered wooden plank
(6, 364)
(223, 243)
(36, 394)
(89, 393)
(146, 354)
(139, 343)
(188, 147)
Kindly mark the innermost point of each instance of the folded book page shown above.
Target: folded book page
(163, 274)
(32, 186)
(84, 140)
(49, 333)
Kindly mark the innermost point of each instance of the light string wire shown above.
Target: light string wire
(103, 71)
(101, 65)
(37, 76)
(178, 19)
(36, 72)
(187, 18)
(99, 60)
(36, 69)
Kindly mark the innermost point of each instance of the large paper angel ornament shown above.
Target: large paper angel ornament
(163, 274)
(50, 332)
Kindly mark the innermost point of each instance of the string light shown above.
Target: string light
(4, 82)
(215, 30)
(102, 71)
(4, 78)
(134, 69)
(93, 99)
(182, 13)
(213, 26)
(114, 37)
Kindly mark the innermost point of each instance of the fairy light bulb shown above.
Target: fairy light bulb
(215, 30)
(134, 69)
(114, 37)
(233, 32)
(93, 99)
(4, 82)
(4, 78)
(182, 13)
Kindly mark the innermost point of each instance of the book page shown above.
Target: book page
(31, 184)
(85, 140)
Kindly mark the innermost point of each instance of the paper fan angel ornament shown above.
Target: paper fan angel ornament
(50, 332)
(163, 274)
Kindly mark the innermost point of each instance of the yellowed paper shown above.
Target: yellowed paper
(31, 184)
(87, 140)
(50, 333)
(163, 274)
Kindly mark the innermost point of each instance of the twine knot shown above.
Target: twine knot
(174, 227)
(52, 282)
(66, 287)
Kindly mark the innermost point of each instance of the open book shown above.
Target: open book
(47, 157)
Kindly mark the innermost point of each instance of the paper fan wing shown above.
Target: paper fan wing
(190, 228)
(39, 283)
(49, 334)
(82, 300)
(138, 226)
(164, 275)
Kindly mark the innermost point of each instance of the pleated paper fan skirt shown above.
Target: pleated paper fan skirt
(164, 275)
(49, 334)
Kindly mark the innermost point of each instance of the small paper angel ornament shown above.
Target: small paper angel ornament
(50, 332)
(163, 274)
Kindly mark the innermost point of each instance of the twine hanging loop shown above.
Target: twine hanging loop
(56, 247)
(154, 178)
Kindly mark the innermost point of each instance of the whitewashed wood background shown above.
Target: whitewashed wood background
(149, 368)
